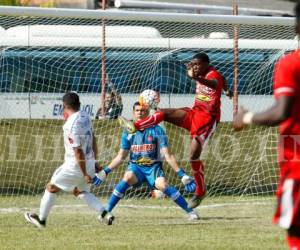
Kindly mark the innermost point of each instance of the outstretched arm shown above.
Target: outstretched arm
(271, 117)
(119, 159)
(170, 158)
(188, 182)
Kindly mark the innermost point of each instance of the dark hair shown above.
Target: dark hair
(201, 56)
(135, 104)
(72, 100)
(297, 11)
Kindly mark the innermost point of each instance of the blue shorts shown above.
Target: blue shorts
(146, 174)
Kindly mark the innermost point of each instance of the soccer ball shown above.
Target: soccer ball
(149, 98)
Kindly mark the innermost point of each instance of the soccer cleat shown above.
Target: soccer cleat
(106, 217)
(126, 124)
(195, 201)
(35, 220)
(193, 216)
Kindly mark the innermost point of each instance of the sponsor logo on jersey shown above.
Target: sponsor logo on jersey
(144, 161)
(143, 148)
(203, 98)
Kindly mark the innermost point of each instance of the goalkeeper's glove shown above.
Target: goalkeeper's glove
(101, 176)
(188, 181)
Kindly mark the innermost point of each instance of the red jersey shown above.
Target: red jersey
(287, 83)
(208, 99)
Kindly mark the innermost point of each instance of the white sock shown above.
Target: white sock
(92, 201)
(46, 204)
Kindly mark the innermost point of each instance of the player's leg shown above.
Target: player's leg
(293, 237)
(90, 199)
(174, 194)
(287, 214)
(172, 115)
(198, 172)
(47, 203)
(82, 188)
(131, 177)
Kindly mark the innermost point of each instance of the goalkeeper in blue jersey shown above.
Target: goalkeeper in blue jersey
(145, 165)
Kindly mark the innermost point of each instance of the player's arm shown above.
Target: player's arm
(95, 148)
(226, 89)
(80, 158)
(119, 159)
(192, 73)
(188, 182)
(170, 158)
(285, 90)
(278, 113)
(211, 83)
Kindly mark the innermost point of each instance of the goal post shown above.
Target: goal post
(46, 52)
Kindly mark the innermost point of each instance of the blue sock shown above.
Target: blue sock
(175, 195)
(117, 194)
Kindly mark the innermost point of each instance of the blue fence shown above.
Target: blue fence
(131, 71)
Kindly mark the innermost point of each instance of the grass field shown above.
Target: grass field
(142, 224)
(245, 170)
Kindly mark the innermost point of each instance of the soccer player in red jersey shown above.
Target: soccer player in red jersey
(200, 120)
(286, 113)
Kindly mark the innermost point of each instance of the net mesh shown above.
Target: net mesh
(42, 58)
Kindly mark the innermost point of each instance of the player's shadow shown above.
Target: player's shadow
(171, 221)
(224, 218)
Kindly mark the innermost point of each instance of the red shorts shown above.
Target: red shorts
(288, 203)
(200, 124)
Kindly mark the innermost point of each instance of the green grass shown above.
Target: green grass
(157, 225)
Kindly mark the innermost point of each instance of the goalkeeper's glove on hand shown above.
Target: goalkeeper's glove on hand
(101, 176)
(188, 181)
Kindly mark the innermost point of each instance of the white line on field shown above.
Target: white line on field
(19, 210)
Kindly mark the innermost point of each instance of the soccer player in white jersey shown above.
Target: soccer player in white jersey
(75, 174)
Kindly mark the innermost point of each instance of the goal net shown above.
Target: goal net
(45, 53)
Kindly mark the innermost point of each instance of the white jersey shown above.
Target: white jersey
(78, 132)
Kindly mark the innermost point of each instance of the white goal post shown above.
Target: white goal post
(46, 52)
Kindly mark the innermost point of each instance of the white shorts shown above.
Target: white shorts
(67, 177)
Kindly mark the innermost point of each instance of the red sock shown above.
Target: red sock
(150, 121)
(293, 242)
(198, 172)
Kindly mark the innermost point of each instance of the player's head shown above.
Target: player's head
(200, 63)
(71, 101)
(203, 57)
(297, 14)
(139, 111)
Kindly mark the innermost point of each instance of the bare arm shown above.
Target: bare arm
(226, 89)
(212, 83)
(95, 148)
(119, 159)
(271, 117)
(192, 71)
(80, 158)
(276, 114)
(170, 158)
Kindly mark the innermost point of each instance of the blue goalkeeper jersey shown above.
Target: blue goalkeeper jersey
(145, 145)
